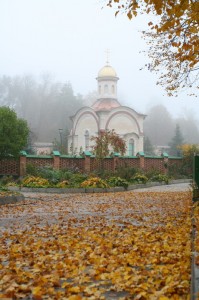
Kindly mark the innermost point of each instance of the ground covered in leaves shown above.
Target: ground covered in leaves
(130, 245)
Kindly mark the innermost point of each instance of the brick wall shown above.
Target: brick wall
(72, 163)
(40, 161)
(129, 162)
(107, 164)
(157, 163)
(174, 162)
(87, 163)
(9, 167)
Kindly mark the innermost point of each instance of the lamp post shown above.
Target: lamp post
(61, 142)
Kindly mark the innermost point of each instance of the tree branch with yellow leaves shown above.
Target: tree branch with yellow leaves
(173, 39)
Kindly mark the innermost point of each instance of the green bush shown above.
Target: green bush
(37, 182)
(31, 170)
(118, 181)
(52, 175)
(126, 172)
(104, 174)
(12, 183)
(77, 179)
(178, 172)
(151, 173)
(6, 179)
(3, 189)
(62, 184)
(139, 178)
(94, 182)
(160, 178)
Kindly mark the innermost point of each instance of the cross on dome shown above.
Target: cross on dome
(107, 56)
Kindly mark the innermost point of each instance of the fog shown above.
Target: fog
(68, 39)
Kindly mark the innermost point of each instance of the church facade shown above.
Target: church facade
(106, 114)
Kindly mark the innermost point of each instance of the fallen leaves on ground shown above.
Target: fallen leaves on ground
(196, 232)
(130, 245)
(8, 194)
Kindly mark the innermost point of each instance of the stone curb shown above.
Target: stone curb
(11, 199)
(95, 190)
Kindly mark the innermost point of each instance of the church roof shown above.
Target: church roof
(105, 104)
(107, 71)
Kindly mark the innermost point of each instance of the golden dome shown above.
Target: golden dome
(107, 71)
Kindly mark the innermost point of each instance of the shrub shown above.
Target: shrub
(160, 178)
(118, 181)
(31, 170)
(77, 179)
(188, 150)
(126, 172)
(104, 174)
(62, 184)
(140, 178)
(3, 189)
(6, 179)
(52, 175)
(94, 182)
(12, 183)
(152, 172)
(32, 181)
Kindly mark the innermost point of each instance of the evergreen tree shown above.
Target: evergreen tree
(176, 142)
(159, 125)
(148, 147)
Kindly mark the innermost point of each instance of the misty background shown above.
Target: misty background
(50, 55)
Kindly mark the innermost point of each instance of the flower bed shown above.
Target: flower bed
(66, 181)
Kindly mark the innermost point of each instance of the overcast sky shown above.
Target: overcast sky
(68, 38)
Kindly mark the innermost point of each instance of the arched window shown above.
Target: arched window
(113, 89)
(86, 140)
(131, 147)
(106, 88)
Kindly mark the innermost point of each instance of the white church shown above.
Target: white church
(106, 113)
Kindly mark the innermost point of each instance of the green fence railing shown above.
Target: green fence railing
(196, 169)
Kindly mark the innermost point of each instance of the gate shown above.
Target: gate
(196, 170)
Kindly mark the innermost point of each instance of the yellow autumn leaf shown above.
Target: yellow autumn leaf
(37, 293)
(74, 297)
(74, 289)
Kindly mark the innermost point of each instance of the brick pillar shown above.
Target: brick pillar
(56, 160)
(141, 157)
(115, 161)
(22, 163)
(87, 164)
(87, 161)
